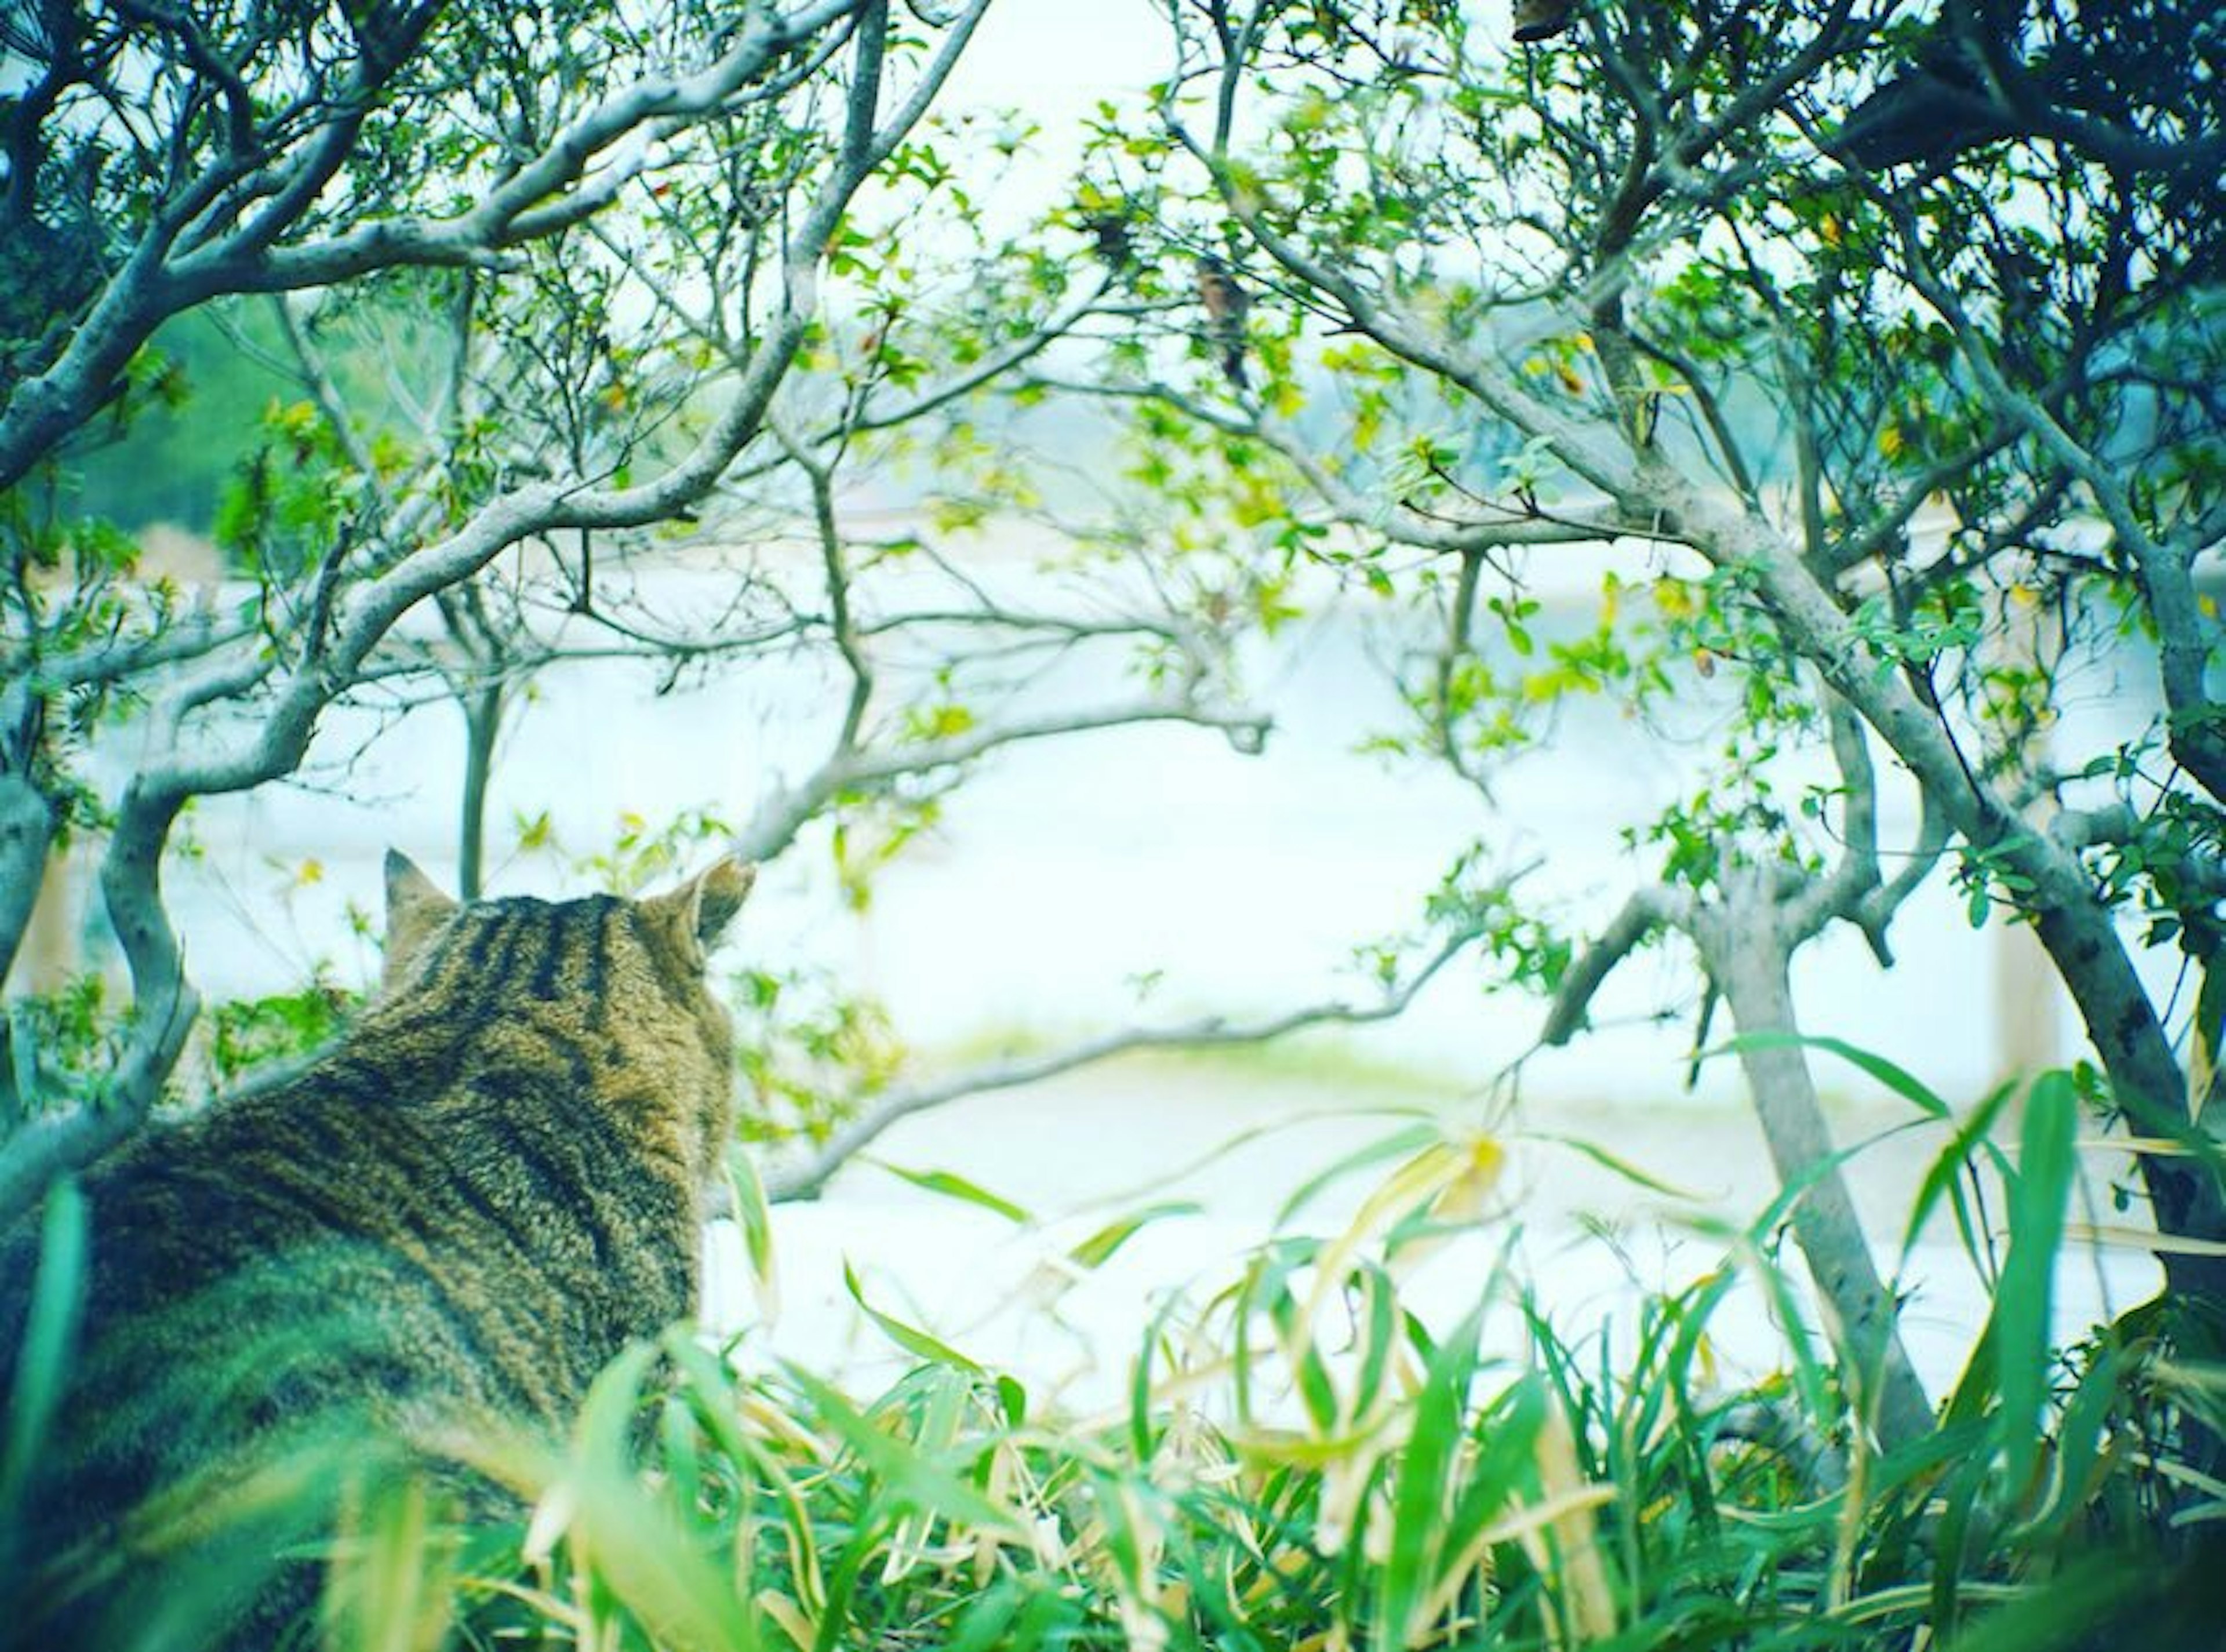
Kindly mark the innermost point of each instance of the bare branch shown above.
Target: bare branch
(807, 1179)
(868, 771)
(1646, 911)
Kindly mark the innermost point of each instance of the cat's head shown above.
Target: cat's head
(678, 929)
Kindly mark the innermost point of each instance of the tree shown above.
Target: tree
(505, 408)
(1629, 285)
(164, 160)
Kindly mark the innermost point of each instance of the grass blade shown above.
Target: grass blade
(49, 1331)
(911, 1338)
(2046, 1163)
(1422, 1492)
(951, 1184)
(1099, 1247)
(1899, 1080)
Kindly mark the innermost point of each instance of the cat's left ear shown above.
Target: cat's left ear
(702, 908)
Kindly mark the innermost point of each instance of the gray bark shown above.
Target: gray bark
(482, 709)
(1748, 955)
(27, 833)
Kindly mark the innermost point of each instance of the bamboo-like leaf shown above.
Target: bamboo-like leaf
(910, 1478)
(1294, 1332)
(1398, 1144)
(1895, 1078)
(949, 1393)
(650, 1562)
(2148, 1147)
(606, 1420)
(630, 1540)
(1409, 1192)
(754, 1217)
(951, 1184)
(1421, 1490)
(2079, 1436)
(1502, 1467)
(1100, 1247)
(2162, 1244)
(387, 1585)
(1620, 1165)
(911, 1338)
(1947, 1167)
(1143, 1437)
(1379, 1342)
(677, 1456)
(2046, 1165)
(49, 1332)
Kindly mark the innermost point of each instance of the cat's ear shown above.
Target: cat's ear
(413, 910)
(700, 910)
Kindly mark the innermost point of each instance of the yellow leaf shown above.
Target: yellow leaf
(791, 1622)
(2165, 1244)
(1890, 442)
(1469, 1194)
(310, 871)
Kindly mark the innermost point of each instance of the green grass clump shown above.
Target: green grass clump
(1301, 1462)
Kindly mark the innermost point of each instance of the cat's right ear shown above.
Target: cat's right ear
(415, 908)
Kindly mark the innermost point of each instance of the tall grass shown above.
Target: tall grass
(1302, 1462)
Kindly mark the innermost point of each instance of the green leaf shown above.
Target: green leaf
(1422, 1492)
(2046, 1163)
(1622, 1167)
(1100, 1247)
(1504, 1463)
(1947, 1169)
(911, 1338)
(754, 1217)
(50, 1330)
(910, 1476)
(951, 1184)
(635, 1543)
(1399, 1144)
(1897, 1079)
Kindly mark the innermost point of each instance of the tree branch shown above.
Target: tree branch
(1646, 911)
(807, 1179)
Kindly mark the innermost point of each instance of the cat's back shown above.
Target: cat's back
(460, 1212)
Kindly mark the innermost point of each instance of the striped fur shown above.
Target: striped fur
(462, 1211)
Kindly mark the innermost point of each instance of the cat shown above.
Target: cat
(456, 1216)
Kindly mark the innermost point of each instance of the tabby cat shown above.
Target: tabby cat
(458, 1214)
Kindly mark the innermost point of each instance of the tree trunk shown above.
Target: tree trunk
(1748, 957)
(2148, 1084)
(27, 834)
(482, 709)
